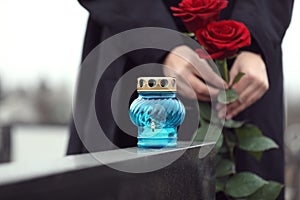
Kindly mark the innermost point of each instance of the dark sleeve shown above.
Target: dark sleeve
(116, 16)
(267, 21)
(121, 15)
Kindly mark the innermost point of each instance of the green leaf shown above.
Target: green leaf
(213, 133)
(233, 124)
(225, 167)
(209, 133)
(251, 139)
(215, 119)
(201, 132)
(255, 143)
(269, 191)
(243, 184)
(227, 96)
(249, 129)
(205, 110)
(238, 77)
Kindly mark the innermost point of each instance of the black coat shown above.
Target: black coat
(267, 21)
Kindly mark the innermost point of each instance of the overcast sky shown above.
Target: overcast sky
(43, 40)
(40, 40)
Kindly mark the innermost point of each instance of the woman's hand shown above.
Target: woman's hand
(191, 73)
(250, 88)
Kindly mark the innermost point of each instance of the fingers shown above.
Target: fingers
(203, 70)
(199, 66)
(192, 87)
(242, 88)
(185, 89)
(247, 97)
(184, 64)
(257, 86)
(203, 91)
(250, 88)
(238, 106)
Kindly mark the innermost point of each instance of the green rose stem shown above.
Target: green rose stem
(236, 135)
(222, 65)
(223, 68)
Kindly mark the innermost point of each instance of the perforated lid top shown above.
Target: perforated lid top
(161, 84)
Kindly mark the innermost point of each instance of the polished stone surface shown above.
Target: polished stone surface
(83, 177)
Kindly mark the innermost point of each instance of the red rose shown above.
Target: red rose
(223, 39)
(197, 13)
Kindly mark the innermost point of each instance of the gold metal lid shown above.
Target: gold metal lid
(159, 84)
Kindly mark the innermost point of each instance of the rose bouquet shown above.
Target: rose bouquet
(221, 41)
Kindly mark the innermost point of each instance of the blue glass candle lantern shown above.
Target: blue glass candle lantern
(157, 112)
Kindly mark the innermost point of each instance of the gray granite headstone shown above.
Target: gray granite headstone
(81, 177)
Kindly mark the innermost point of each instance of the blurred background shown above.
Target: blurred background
(40, 51)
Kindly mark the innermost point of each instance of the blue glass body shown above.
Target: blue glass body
(157, 116)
